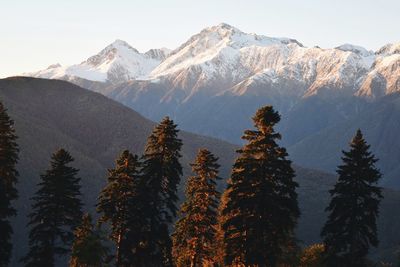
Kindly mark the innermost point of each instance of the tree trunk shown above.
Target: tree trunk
(193, 261)
(118, 252)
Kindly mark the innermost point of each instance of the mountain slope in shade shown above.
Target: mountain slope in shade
(381, 125)
(223, 72)
(50, 114)
(215, 81)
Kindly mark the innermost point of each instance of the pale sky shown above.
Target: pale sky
(37, 33)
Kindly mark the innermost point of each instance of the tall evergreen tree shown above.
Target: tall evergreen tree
(351, 226)
(161, 172)
(219, 253)
(120, 203)
(262, 209)
(195, 234)
(312, 256)
(8, 179)
(88, 249)
(56, 212)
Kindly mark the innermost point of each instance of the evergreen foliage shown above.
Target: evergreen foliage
(219, 255)
(56, 212)
(121, 204)
(8, 179)
(195, 231)
(262, 209)
(88, 249)
(313, 256)
(351, 228)
(161, 173)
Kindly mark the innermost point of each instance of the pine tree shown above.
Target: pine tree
(313, 256)
(262, 209)
(194, 237)
(8, 179)
(219, 255)
(120, 203)
(88, 249)
(56, 212)
(161, 172)
(351, 226)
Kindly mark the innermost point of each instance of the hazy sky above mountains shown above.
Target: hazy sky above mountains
(35, 34)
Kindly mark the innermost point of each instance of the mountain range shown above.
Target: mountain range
(224, 60)
(50, 114)
(218, 78)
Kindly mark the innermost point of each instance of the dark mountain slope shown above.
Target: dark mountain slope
(50, 114)
(380, 122)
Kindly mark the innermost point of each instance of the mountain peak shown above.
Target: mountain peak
(220, 31)
(54, 66)
(159, 54)
(389, 49)
(120, 44)
(355, 49)
(224, 27)
(118, 47)
(217, 49)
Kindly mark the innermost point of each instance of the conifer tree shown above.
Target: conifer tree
(88, 249)
(56, 212)
(161, 173)
(8, 179)
(313, 256)
(262, 209)
(351, 226)
(120, 203)
(219, 255)
(195, 234)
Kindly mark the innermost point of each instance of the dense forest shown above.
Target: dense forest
(139, 221)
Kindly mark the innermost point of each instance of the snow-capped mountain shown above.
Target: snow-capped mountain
(224, 60)
(214, 82)
(384, 76)
(117, 62)
(222, 72)
(216, 50)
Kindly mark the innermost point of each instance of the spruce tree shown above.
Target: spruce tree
(56, 212)
(195, 231)
(88, 249)
(351, 226)
(313, 256)
(161, 172)
(8, 179)
(262, 209)
(219, 253)
(120, 203)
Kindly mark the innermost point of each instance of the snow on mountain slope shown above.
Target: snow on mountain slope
(222, 59)
(223, 73)
(383, 79)
(302, 72)
(117, 62)
(159, 54)
(389, 49)
(217, 44)
(356, 49)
